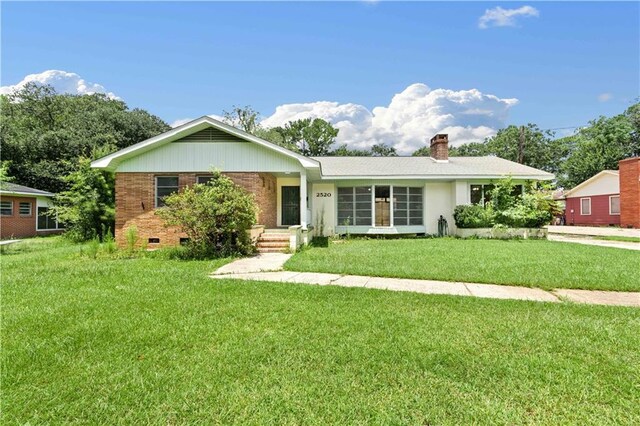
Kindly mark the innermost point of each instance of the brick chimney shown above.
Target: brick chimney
(440, 147)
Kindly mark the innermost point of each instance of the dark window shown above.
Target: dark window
(45, 219)
(165, 185)
(203, 179)
(184, 241)
(6, 208)
(476, 194)
(25, 209)
(154, 240)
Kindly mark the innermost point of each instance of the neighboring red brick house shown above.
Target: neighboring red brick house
(24, 212)
(610, 198)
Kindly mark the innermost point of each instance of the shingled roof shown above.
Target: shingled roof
(14, 188)
(426, 167)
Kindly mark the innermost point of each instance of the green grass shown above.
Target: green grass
(532, 263)
(620, 238)
(139, 341)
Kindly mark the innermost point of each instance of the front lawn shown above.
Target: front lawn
(532, 263)
(155, 341)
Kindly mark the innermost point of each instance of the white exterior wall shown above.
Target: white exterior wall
(323, 206)
(606, 184)
(438, 201)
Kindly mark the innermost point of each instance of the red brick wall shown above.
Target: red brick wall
(17, 226)
(630, 192)
(599, 212)
(135, 203)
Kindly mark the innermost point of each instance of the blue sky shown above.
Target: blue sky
(569, 64)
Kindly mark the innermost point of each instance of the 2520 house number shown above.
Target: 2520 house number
(323, 194)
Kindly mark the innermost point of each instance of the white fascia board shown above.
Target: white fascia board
(26, 194)
(110, 161)
(437, 177)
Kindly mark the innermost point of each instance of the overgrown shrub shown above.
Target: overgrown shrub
(473, 216)
(215, 216)
(531, 209)
(87, 207)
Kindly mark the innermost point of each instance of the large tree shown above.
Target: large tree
(43, 133)
(311, 137)
(601, 145)
(244, 118)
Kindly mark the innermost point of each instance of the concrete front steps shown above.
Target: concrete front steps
(273, 241)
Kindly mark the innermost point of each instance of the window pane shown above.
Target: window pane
(44, 220)
(487, 192)
(476, 194)
(6, 208)
(167, 181)
(614, 206)
(585, 206)
(203, 179)
(25, 209)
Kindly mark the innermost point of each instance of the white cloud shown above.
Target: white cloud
(499, 17)
(62, 81)
(180, 122)
(604, 97)
(410, 120)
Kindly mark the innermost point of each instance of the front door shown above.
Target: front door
(290, 205)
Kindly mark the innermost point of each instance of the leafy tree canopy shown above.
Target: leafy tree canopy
(43, 133)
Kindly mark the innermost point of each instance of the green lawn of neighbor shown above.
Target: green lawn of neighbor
(155, 341)
(620, 238)
(532, 263)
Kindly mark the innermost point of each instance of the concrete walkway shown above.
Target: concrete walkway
(593, 242)
(268, 267)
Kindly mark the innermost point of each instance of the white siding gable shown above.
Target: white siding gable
(606, 183)
(181, 156)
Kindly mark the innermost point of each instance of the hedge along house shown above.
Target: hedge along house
(24, 212)
(358, 195)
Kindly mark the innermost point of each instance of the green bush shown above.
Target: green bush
(532, 209)
(216, 217)
(473, 216)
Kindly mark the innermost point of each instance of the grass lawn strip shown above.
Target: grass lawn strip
(157, 341)
(531, 263)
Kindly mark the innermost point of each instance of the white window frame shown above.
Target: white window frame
(582, 213)
(610, 197)
(12, 210)
(30, 204)
(155, 191)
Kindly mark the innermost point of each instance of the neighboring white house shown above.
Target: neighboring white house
(359, 195)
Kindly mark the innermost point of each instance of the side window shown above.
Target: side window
(203, 179)
(25, 209)
(6, 208)
(165, 185)
(585, 206)
(614, 204)
(45, 220)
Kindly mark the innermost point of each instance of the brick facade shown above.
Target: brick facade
(135, 203)
(630, 192)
